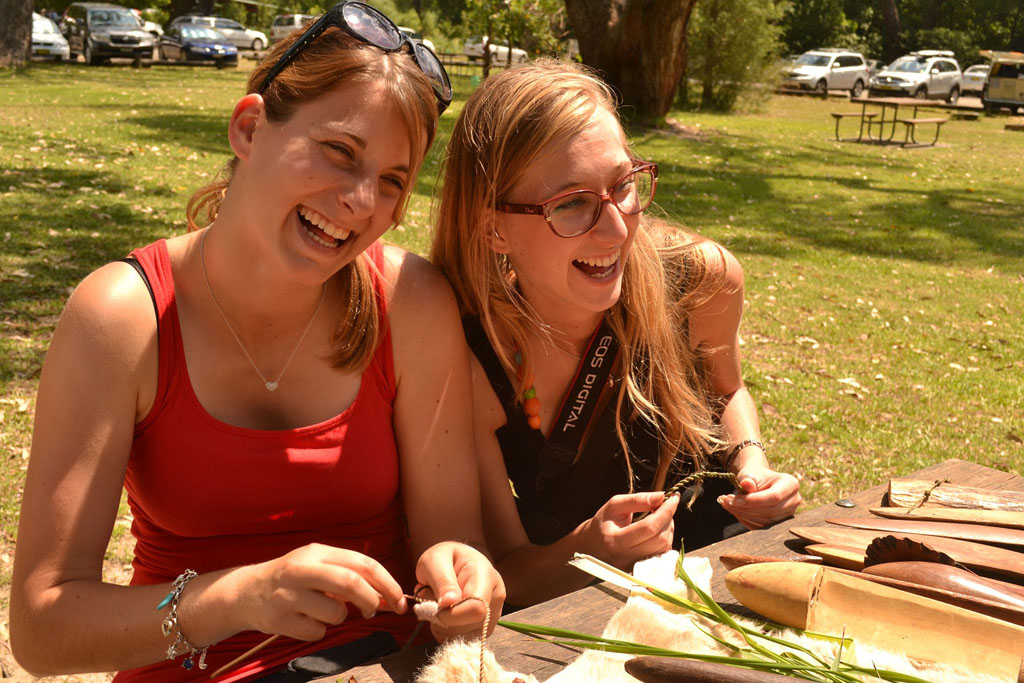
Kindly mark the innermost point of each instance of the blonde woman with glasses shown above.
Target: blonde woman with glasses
(607, 363)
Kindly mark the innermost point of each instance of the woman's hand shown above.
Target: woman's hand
(768, 496)
(302, 593)
(454, 574)
(613, 536)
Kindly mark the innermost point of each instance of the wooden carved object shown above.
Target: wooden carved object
(825, 601)
(915, 493)
(1004, 518)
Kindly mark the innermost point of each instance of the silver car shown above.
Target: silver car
(925, 74)
(237, 35)
(974, 78)
(828, 69)
(47, 41)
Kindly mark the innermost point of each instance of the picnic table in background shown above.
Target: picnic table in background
(589, 609)
(890, 116)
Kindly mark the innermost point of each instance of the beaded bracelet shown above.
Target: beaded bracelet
(170, 625)
(739, 447)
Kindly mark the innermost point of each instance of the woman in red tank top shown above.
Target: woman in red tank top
(295, 447)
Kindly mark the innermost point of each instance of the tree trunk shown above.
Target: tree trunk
(639, 46)
(892, 30)
(15, 32)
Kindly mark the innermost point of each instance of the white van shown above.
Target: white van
(284, 24)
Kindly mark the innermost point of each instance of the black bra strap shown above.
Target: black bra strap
(134, 263)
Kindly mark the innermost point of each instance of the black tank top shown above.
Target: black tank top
(552, 506)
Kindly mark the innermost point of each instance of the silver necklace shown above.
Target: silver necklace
(270, 385)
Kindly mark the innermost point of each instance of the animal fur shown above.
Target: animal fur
(645, 620)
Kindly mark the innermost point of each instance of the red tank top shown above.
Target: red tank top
(207, 495)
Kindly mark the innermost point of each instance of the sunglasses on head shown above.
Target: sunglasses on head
(373, 27)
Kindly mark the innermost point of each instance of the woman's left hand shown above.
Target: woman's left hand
(768, 496)
(456, 573)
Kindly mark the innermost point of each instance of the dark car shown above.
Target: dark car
(193, 43)
(98, 31)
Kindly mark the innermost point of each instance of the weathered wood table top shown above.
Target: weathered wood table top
(589, 609)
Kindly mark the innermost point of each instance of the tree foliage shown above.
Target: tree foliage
(733, 47)
(887, 29)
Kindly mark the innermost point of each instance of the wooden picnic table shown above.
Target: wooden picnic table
(889, 116)
(589, 609)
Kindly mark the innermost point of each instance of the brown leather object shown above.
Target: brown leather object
(672, 670)
(978, 533)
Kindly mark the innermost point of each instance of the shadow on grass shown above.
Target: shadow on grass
(919, 222)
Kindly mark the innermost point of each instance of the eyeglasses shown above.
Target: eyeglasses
(370, 26)
(573, 213)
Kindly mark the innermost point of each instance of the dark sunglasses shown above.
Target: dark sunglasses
(370, 26)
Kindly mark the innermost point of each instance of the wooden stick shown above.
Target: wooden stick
(244, 656)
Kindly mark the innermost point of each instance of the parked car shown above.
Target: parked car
(47, 41)
(197, 43)
(474, 49)
(155, 29)
(1005, 84)
(974, 78)
(237, 35)
(416, 35)
(284, 24)
(828, 69)
(925, 74)
(99, 31)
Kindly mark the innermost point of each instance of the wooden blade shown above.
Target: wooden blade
(977, 556)
(672, 670)
(951, 579)
(909, 493)
(826, 601)
(964, 532)
(838, 555)
(1013, 520)
(733, 560)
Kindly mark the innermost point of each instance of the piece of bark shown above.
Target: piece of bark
(1002, 518)
(965, 532)
(672, 670)
(912, 493)
(819, 599)
(976, 556)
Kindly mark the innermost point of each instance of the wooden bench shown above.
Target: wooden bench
(840, 115)
(911, 127)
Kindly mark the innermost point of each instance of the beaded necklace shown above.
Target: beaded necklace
(531, 404)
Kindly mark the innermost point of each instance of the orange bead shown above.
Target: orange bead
(531, 407)
(533, 421)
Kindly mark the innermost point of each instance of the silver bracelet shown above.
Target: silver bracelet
(739, 447)
(170, 625)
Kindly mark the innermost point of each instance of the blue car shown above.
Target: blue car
(193, 43)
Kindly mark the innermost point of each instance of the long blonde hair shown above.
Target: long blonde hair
(508, 123)
(332, 59)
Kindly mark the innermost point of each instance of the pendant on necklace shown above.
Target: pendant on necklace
(271, 386)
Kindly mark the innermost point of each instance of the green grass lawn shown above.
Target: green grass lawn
(885, 286)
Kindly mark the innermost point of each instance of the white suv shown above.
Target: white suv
(286, 23)
(828, 69)
(474, 49)
(925, 74)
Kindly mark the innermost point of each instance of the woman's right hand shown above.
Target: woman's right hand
(302, 593)
(613, 536)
